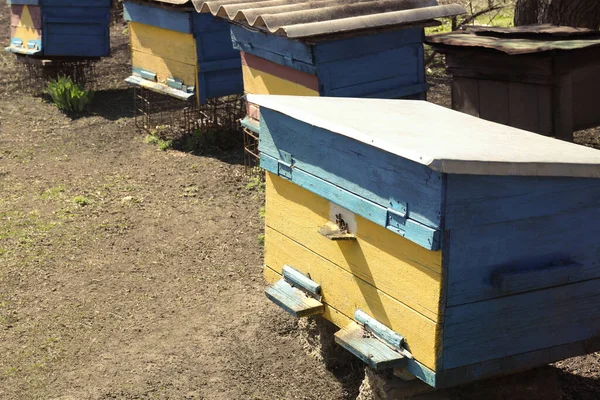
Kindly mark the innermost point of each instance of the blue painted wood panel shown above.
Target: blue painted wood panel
(384, 65)
(511, 364)
(522, 323)
(328, 51)
(374, 174)
(75, 28)
(73, 37)
(23, 2)
(477, 200)
(476, 253)
(219, 64)
(401, 62)
(283, 51)
(179, 21)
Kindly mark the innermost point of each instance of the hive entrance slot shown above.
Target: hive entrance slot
(296, 293)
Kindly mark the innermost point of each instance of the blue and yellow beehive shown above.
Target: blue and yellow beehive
(338, 48)
(60, 28)
(470, 248)
(179, 52)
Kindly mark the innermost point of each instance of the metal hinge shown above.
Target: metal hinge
(285, 165)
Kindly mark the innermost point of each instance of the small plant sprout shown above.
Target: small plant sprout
(81, 201)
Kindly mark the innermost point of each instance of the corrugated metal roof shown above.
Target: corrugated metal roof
(306, 18)
(519, 40)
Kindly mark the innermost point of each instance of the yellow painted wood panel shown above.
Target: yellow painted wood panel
(164, 43)
(164, 68)
(258, 82)
(25, 29)
(26, 34)
(396, 266)
(345, 292)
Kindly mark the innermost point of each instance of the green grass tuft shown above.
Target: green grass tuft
(81, 201)
(69, 96)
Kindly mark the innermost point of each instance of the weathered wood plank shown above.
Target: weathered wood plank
(523, 106)
(369, 349)
(563, 108)
(346, 293)
(494, 101)
(510, 325)
(396, 266)
(465, 95)
(159, 88)
(328, 156)
(293, 300)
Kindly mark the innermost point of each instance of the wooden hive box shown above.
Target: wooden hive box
(540, 78)
(179, 52)
(60, 28)
(383, 65)
(472, 245)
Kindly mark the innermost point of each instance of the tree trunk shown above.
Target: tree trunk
(577, 13)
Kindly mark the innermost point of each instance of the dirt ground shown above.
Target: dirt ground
(132, 273)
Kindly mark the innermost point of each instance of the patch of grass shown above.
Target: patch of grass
(156, 140)
(261, 212)
(81, 201)
(151, 139)
(53, 193)
(255, 183)
(24, 228)
(261, 239)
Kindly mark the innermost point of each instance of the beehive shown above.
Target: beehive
(179, 52)
(384, 65)
(474, 244)
(60, 28)
(541, 77)
(337, 48)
